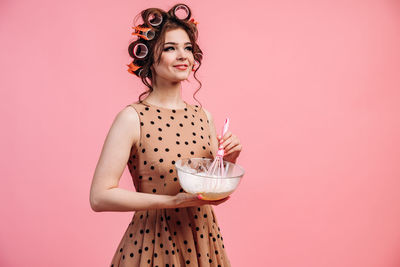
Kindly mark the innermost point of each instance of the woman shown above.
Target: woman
(169, 227)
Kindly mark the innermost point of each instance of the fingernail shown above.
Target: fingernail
(199, 197)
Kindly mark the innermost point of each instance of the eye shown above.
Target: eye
(189, 48)
(168, 48)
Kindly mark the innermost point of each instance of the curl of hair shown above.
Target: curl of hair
(156, 45)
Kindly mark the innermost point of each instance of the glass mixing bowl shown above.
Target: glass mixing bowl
(193, 178)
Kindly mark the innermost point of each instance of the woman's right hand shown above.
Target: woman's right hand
(182, 200)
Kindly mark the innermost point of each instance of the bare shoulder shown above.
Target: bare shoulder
(127, 122)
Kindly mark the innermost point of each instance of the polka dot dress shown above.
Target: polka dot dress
(169, 237)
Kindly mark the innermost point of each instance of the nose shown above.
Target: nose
(181, 55)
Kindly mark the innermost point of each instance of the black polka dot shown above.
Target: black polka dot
(154, 190)
(162, 176)
(188, 262)
(172, 117)
(152, 167)
(189, 250)
(143, 150)
(141, 113)
(178, 134)
(150, 178)
(185, 116)
(173, 162)
(147, 135)
(146, 108)
(178, 222)
(155, 255)
(160, 129)
(159, 117)
(152, 122)
(201, 236)
(158, 111)
(185, 242)
(167, 149)
(131, 255)
(175, 179)
(160, 138)
(155, 149)
(180, 124)
(192, 123)
(171, 171)
(179, 155)
(194, 141)
(141, 123)
(168, 125)
(161, 160)
(161, 245)
(140, 251)
(186, 142)
(177, 142)
(194, 133)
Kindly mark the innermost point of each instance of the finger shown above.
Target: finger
(226, 136)
(230, 146)
(230, 139)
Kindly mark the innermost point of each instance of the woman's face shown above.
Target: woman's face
(176, 59)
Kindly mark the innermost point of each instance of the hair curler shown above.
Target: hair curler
(134, 69)
(145, 33)
(155, 18)
(185, 9)
(140, 50)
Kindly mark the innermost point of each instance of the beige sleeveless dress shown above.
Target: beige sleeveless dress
(169, 237)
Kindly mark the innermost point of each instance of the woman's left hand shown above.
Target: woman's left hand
(231, 145)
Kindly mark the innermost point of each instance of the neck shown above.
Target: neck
(166, 94)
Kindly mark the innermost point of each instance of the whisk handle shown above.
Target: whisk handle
(226, 125)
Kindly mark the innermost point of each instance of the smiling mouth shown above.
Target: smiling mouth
(181, 67)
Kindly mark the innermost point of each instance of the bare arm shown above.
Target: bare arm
(105, 195)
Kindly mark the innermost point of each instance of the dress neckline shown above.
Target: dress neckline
(170, 109)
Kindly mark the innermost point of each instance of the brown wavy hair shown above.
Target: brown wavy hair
(155, 46)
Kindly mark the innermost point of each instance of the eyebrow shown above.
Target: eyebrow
(173, 43)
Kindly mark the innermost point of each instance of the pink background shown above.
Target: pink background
(312, 90)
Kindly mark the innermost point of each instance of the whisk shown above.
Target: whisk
(217, 166)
